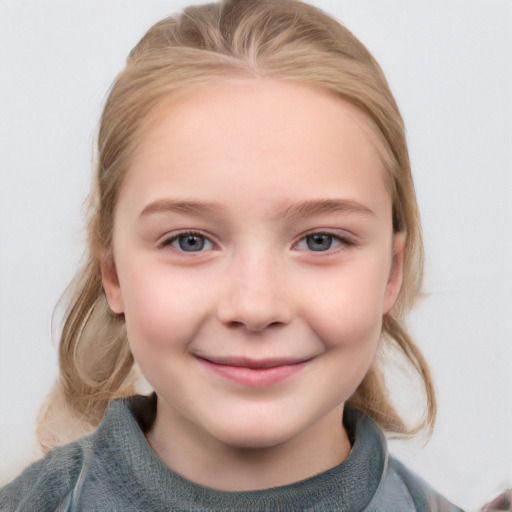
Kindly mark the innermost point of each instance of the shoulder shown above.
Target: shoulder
(46, 483)
(424, 497)
(396, 487)
(89, 470)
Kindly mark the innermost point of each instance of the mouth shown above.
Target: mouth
(252, 372)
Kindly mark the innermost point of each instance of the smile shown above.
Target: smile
(252, 373)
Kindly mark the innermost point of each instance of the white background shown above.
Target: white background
(449, 64)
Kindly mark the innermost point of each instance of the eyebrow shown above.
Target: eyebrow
(293, 212)
(191, 207)
(314, 207)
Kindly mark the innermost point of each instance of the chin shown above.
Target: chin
(254, 440)
(254, 434)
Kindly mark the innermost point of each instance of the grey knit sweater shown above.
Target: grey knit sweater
(115, 469)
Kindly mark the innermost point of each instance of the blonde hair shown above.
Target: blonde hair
(284, 39)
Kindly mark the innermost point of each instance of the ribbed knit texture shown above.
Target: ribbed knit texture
(115, 469)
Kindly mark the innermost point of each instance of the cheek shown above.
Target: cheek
(347, 308)
(162, 309)
(160, 323)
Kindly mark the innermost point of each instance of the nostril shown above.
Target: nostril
(254, 327)
(235, 324)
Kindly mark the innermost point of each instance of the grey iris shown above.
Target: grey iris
(191, 243)
(319, 242)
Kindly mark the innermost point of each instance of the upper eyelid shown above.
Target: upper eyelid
(343, 236)
(345, 241)
(336, 233)
(170, 237)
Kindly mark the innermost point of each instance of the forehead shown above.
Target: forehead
(273, 137)
(231, 97)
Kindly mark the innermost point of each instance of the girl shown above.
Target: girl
(254, 245)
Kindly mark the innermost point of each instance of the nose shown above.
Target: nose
(255, 296)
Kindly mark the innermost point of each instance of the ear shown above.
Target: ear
(396, 273)
(111, 285)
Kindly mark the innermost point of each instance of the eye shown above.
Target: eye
(321, 242)
(189, 242)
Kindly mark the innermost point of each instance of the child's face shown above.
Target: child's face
(253, 253)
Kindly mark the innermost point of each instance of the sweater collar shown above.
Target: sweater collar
(349, 486)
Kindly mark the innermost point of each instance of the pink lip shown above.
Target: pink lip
(252, 373)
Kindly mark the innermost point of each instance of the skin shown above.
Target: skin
(234, 163)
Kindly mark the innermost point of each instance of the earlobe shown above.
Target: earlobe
(396, 274)
(111, 285)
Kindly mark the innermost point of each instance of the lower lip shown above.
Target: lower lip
(254, 377)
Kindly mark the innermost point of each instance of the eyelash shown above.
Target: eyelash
(176, 237)
(339, 241)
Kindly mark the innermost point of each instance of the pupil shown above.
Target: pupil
(319, 242)
(191, 243)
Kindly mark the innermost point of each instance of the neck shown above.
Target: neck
(208, 461)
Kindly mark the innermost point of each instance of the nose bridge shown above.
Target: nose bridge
(255, 296)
